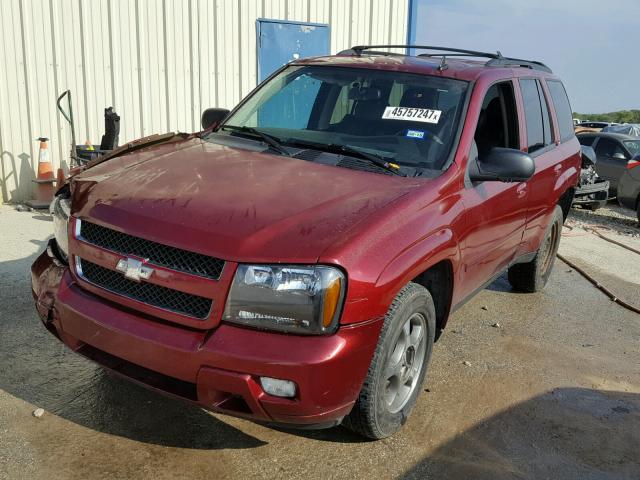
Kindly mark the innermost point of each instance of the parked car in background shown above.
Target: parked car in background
(629, 187)
(632, 129)
(592, 191)
(294, 262)
(613, 152)
(596, 124)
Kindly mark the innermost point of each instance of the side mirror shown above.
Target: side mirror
(503, 165)
(212, 117)
(619, 156)
(588, 156)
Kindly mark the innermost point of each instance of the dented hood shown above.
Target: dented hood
(231, 203)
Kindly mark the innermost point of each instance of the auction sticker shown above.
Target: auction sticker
(415, 134)
(412, 114)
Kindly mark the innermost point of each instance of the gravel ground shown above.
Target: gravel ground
(612, 216)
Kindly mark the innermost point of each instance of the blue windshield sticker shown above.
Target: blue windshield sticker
(415, 134)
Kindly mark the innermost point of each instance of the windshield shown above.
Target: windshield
(633, 146)
(409, 120)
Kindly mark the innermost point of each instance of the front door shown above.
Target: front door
(495, 211)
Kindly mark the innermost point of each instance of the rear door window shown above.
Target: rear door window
(536, 115)
(563, 109)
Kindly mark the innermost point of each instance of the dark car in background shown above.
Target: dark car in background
(613, 153)
(629, 187)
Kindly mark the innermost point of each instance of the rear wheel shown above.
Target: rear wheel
(398, 367)
(532, 276)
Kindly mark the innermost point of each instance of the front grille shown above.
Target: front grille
(156, 253)
(363, 165)
(155, 295)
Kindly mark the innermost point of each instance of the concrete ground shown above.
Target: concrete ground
(553, 392)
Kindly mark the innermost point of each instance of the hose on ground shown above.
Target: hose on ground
(598, 285)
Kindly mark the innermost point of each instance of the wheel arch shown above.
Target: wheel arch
(432, 262)
(438, 279)
(565, 201)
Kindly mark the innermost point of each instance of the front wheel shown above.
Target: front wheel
(532, 276)
(398, 367)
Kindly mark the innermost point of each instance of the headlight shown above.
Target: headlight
(295, 299)
(60, 209)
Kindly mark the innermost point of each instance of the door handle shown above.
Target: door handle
(557, 169)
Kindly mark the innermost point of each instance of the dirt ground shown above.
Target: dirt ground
(552, 392)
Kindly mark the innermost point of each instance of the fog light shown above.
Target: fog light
(278, 388)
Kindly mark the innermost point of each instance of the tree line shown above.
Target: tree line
(622, 116)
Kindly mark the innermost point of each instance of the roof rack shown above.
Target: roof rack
(495, 59)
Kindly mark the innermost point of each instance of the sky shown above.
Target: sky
(594, 46)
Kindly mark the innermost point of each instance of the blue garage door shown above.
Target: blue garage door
(279, 42)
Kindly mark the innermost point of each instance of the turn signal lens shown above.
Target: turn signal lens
(331, 300)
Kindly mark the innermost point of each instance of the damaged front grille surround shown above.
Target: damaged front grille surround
(156, 253)
(151, 294)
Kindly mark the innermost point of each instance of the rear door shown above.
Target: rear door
(541, 146)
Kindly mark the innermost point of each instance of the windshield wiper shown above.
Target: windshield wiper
(352, 152)
(375, 159)
(270, 140)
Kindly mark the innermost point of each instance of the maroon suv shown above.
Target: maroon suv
(294, 262)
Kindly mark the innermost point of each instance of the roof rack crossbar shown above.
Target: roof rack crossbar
(508, 61)
(495, 59)
(358, 49)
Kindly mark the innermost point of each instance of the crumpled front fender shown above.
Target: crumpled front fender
(46, 275)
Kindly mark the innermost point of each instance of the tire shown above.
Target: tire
(378, 413)
(532, 276)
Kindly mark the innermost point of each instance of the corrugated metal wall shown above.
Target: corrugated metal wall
(158, 62)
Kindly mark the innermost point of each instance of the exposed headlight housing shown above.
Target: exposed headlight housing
(288, 298)
(60, 209)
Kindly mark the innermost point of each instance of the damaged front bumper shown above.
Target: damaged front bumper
(592, 193)
(217, 369)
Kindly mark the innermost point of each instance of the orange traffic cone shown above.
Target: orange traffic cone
(59, 178)
(45, 180)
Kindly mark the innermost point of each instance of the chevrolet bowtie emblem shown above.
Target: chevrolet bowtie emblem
(134, 269)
